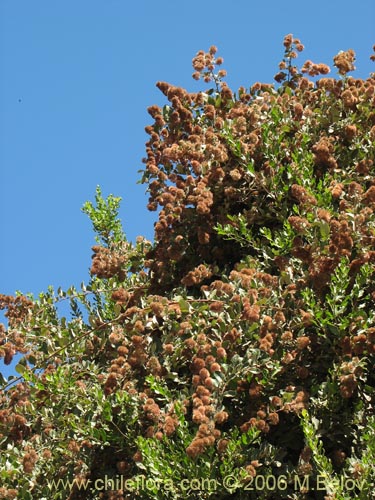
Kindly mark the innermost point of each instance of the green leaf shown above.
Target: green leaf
(324, 229)
(3, 380)
(184, 305)
(20, 368)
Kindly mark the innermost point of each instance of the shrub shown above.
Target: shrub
(233, 357)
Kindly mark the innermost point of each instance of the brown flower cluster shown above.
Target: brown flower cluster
(344, 61)
(341, 242)
(245, 276)
(202, 409)
(323, 150)
(29, 460)
(299, 224)
(299, 402)
(314, 69)
(8, 494)
(301, 195)
(204, 64)
(260, 421)
(138, 354)
(289, 73)
(221, 288)
(17, 308)
(205, 438)
(12, 422)
(152, 410)
(196, 276)
(198, 148)
(348, 385)
(121, 296)
(107, 263)
(170, 425)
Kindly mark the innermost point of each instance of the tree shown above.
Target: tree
(233, 357)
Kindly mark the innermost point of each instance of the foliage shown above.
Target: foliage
(234, 356)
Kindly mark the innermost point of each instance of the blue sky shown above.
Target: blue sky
(76, 78)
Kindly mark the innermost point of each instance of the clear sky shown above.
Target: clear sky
(76, 78)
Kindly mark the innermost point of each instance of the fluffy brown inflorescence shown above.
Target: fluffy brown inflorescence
(266, 201)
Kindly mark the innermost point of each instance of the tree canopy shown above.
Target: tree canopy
(233, 356)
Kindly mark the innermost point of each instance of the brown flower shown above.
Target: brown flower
(344, 61)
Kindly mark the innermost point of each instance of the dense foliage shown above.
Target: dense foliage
(234, 356)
